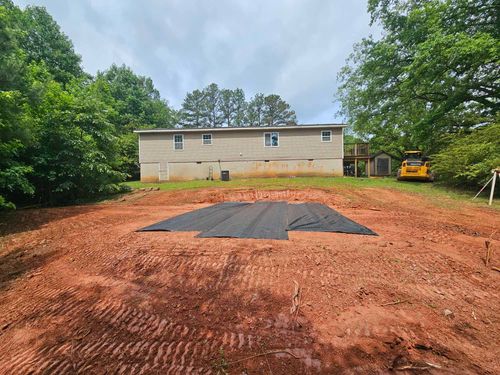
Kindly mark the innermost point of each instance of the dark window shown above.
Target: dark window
(326, 136)
(272, 139)
(206, 139)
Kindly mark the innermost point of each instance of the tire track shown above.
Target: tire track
(164, 345)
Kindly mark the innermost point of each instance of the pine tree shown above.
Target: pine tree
(192, 112)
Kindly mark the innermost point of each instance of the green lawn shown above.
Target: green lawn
(428, 189)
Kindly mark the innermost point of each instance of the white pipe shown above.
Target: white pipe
(479, 192)
(492, 192)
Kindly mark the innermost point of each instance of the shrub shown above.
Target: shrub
(468, 160)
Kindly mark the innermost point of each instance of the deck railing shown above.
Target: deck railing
(356, 149)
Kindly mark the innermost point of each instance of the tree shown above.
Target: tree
(240, 107)
(211, 106)
(270, 110)
(64, 135)
(232, 107)
(15, 132)
(469, 158)
(136, 104)
(227, 107)
(277, 112)
(256, 111)
(434, 71)
(14, 138)
(192, 113)
(44, 41)
(75, 154)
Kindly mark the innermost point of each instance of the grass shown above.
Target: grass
(433, 191)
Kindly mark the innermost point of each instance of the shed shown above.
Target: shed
(381, 164)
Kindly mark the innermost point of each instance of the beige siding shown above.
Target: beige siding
(150, 172)
(240, 146)
(242, 169)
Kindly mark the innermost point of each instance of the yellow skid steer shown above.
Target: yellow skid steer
(415, 167)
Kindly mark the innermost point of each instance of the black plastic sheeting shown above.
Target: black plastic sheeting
(267, 220)
(316, 217)
(258, 220)
(199, 220)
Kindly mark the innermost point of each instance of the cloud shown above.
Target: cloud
(293, 48)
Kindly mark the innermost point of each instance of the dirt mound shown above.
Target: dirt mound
(331, 197)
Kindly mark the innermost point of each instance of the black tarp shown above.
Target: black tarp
(267, 220)
(316, 217)
(198, 220)
(258, 220)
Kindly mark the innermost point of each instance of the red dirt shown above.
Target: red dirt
(81, 291)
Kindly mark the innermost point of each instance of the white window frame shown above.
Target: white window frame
(326, 131)
(203, 139)
(174, 142)
(271, 137)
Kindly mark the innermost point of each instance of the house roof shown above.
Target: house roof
(263, 128)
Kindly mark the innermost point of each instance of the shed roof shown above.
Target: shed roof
(232, 128)
(380, 153)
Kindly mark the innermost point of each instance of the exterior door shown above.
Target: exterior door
(163, 171)
(382, 166)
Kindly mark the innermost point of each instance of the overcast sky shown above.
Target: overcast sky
(293, 48)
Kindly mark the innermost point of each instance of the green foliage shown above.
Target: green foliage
(468, 160)
(43, 41)
(14, 121)
(213, 107)
(277, 111)
(65, 136)
(136, 104)
(232, 107)
(136, 101)
(434, 71)
(192, 112)
(256, 111)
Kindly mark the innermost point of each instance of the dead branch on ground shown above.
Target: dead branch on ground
(414, 366)
(279, 351)
(489, 249)
(394, 302)
(295, 298)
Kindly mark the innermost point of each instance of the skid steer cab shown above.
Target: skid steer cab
(415, 167)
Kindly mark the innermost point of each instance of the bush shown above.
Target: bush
(468, 160)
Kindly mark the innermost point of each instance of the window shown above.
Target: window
(206, 139)
(178, 141)
(272, 139)
(326, 136)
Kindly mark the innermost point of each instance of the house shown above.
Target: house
(202, 153)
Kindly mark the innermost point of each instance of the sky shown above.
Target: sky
(294, 48)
